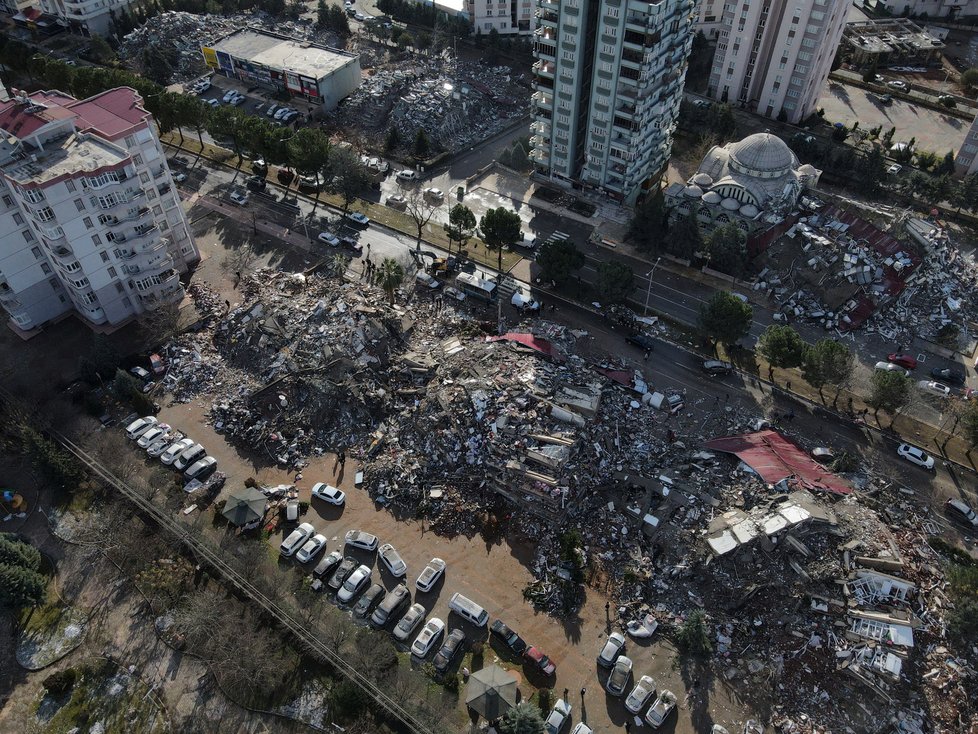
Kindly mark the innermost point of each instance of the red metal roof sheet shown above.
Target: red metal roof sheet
(775, 457)
(528, 340)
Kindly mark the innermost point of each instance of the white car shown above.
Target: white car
(890, 367)
(396, 201)
(962, 512)
(330, 239)
(162, 443)
(392, 560)
(433, 193)
(934, 388)
(238, 99)
(280, 113)
(139, 426)
(239, 197)
(150, 436)
(296, 539)
(310, 549)
(228, 96)
(354, 584)
(915, 455)
(640, 695)
(175, 449)
(213, 102)
(189, 456)
(558, 717)
(894, 169)
(902, 86)
(407, 175)
(179, 177)
(358, 218)
(618, 678)
(328, 493)
(582, 728)
(660, 710)
(432, 572)
(201, 468)
(409, 622)
(360, 539)
(428, 638)
(423, 279)
(614, 647)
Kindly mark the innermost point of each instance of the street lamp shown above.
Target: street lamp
(648, 293)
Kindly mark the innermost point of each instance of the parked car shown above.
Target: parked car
(212, 103)
(582, 728)
(238, 99)
(618, 679)
(961, 511)
(371, 598)
(915, 455)
(715, 367)
(392, 560)
(558, 718)
(429, 636)
(296, 539)
(256, 183)
(353, 584)
(702, 104)
(544, 664)
(327, 564)
(396, 201)
(179, 177)
(346, 567)
(139, 426)
(641, 694)
(430, 575)
(175, 449)
(886, 99)
(392, 606)
(613, 647)
(659, 711)
(407, 175)
(934, 388)
(149, 436)
(513, 642)
(228, 96)
(239, 197)
(358, 218)
(162, 443)
(896, 84)
(434, 194)
(947, 374)
(451, 648)
(412, 618)
(360, 539)
(272, 109)
(189, 456)
(329, 238)
(894, 168)
(425, 280)
(328, 493)
(642, 341)
(311, 548)
(202, 468)
(904, 360)
(890, 367)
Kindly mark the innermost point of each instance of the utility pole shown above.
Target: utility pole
(648, 293)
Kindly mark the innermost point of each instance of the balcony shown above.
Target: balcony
(547, 19)
(549, 5)
(545, 69)
(540, 127)
(546, 35)
(544, 101)
(540, 156)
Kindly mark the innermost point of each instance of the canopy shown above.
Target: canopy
(245, 506)
(491, 692)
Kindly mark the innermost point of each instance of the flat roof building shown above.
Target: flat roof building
(316, 73)
(888, 42)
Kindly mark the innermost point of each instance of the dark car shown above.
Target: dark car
(642, 341)
(508, 637)
(349, 243)
(448, 651)
(715, 367)
(371, 597)
(947, 374)
(256, 183)
(327, 565)
(342, 572)
(904, 360)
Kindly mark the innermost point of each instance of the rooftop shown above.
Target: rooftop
(888, 35)
(109, 114)
(76, 153)
(281, 52)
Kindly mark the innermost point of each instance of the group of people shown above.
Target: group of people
(368, 269)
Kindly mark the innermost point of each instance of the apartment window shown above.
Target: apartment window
(801, 69)
(791, 34)
(157, 210)
(18, 220)
(7, 201)
(794, 21)
(969, 148)
(79, 205)
(817, 15)
(96, 240)
(126, 302)
(70, 185)
(111, 271)
(36, 252)
(130, 141)
(62, 299)
(88, 223)
(613, 12)
(808, 42)
(81, 283)
(55, 286)
(28, 235)
(33, 195)
(804, 56)
(144, 177)
(119, 288)
(105, 218)
(104, 255)
(45, 268)
(813, 29)
(793, 93)
(137, 160)
(45, 214)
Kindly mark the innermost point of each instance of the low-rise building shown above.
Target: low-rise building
(930, 8)
(753, 183)
(966, 161)
(90, 219)
(889, 42)
(315, 73)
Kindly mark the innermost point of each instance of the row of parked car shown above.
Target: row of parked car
(171, 447)
(612, 658)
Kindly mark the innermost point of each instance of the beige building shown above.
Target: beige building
(773, 56)
(966, 161)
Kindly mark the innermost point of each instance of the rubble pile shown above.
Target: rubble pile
(182, 34)
(456, 103)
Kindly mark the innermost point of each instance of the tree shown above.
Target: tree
(420, 209)
(500, 227)
(309, 153)
(349, 175)
(969, 423)
(727, 246)
(101, 51)
(685, 238)
(404, 40)
(559, 259)
(461, 223)
(424, 41)
(869, 76)
(157, 64)
(870, 169)
(322, 14)
(827, 363)
(231, 124)
(725, 319)
(393, 140)
(20, 586)
(970, 79)
(945, 166)
(648, 225)
(389, 276)
(890, 392)
(422, 146)
(524, 718)
(14, 552)
(693, 637)
(615, 281)
(722, 122)
(781, 347)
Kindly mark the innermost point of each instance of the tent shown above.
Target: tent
(245, 508)
(491, 692)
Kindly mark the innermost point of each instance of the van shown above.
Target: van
(469, 610)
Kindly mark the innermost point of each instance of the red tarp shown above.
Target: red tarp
(528, 340)
(622, 377)
(774, 457)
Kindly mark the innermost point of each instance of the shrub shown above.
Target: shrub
(60, 682)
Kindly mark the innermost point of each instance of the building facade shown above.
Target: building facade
(318, 74)
(773, 56)
(506, 17)
(90, 219)
(608, 83)
(966, 162)
(85, 17)
(709, 14)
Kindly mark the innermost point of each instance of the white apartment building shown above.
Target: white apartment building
(774, 56)
(90, 219)
(85, 17)
(608, 82)
(966, 161)
(507, 17)
(709, 14)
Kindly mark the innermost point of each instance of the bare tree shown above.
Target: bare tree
(238, 262)
(420, 210)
